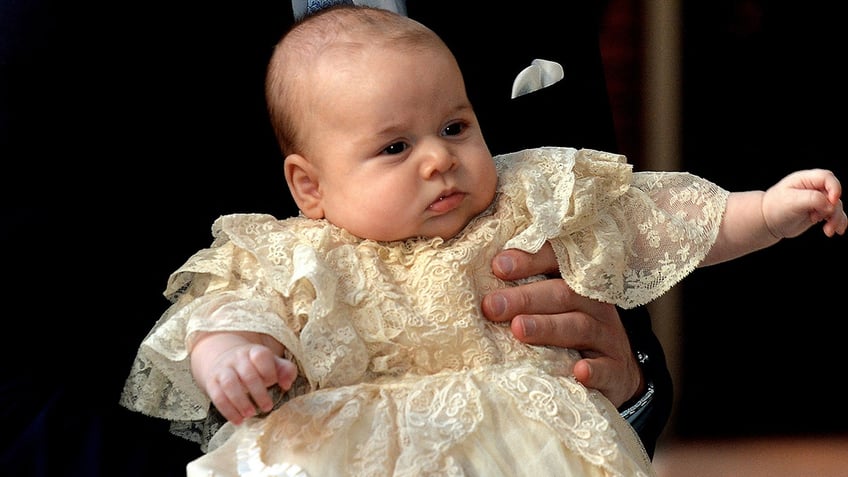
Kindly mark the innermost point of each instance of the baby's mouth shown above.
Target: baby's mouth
(447, 202)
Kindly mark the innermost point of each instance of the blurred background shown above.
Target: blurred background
(743, 92)
(116, 108)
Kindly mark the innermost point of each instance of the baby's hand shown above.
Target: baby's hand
(802, 199)
(238, 379)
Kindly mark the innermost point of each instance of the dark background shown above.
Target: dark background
(126, 128)
(764, 336)
(761, 341)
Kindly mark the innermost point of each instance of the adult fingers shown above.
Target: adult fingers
(551, 296)
(515, 264)
(579, 323)
(618, 380)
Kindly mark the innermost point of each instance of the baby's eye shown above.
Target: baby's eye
(453, 129)
(395, 148)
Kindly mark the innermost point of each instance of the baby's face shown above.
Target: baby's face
(397, 145)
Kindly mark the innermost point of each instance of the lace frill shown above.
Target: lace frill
(620, 237)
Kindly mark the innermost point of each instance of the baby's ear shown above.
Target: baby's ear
(302, 178)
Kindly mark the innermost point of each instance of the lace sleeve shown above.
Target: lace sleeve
(218, 288)
(160, 382)
(645, 242)
(255, 277)
(619, 236)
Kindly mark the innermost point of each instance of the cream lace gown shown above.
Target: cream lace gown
(400, 374)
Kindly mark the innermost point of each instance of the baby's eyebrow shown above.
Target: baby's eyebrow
(463, 107)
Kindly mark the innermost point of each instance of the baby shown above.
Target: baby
(349, 340)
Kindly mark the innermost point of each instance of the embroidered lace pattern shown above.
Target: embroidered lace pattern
(397, 364)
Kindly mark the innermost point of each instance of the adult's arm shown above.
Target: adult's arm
(648, 410)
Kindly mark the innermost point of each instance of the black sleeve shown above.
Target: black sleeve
(652, 414)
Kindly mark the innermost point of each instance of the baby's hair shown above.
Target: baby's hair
(344, 28)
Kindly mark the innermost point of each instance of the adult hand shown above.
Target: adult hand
(549, 313)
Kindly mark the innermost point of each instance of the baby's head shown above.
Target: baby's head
(370, 111)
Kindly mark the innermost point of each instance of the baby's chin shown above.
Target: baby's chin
(447, 228)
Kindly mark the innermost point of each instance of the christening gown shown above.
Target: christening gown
(399, 372)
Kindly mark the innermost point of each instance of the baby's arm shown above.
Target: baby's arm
(755, 220)
(235, 369)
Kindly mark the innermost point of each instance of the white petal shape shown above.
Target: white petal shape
(540, 74)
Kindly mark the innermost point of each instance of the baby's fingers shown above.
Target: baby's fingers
(832, 213)
(837, 222)
(833, 188)
(258, 373)
(230, 396)
(286, 373)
